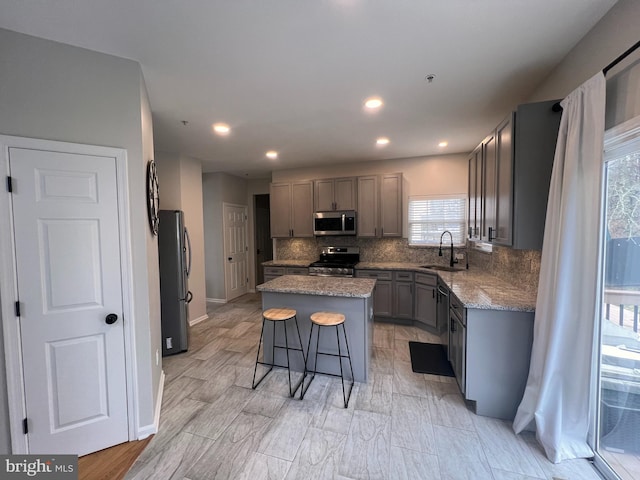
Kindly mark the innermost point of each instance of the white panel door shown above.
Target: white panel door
(235, 249)
(68, 262)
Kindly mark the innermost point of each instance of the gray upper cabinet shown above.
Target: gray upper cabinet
(380, 205)
(517, 159)
(475, 194)
(367, 210)
(335, 194)
(502, 231)
(535, 138)
(391, 205)
(489, 188)
(291, 205)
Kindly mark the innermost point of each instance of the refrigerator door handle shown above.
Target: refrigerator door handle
(188, 250)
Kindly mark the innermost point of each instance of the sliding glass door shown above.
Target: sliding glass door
(616, 426)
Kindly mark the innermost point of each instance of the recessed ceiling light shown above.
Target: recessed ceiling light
(373, 103)
(272, 154)
(221, 128)
(382, 141)
(443, 144)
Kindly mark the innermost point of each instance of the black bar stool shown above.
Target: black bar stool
(277, 315)
(328, 319)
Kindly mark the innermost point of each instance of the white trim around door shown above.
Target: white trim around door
(8, 284)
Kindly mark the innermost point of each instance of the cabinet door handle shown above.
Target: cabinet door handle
(433, 293)
(491, 237)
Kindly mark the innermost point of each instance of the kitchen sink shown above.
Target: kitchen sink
(443, 268)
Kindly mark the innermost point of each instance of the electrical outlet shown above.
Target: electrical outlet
(459, 256)
(157, 357)
(169, 341)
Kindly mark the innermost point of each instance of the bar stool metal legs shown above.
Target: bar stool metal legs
(279, 315)
(328, 319)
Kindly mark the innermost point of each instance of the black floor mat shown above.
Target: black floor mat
(430, 358)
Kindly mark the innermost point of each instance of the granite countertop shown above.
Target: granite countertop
(483, 291)
(475, 289)
(325, 286)
(288, 263)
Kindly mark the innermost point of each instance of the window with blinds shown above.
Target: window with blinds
(431, 215)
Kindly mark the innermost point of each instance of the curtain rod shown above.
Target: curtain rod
(558, 108)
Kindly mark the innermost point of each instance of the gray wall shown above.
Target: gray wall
(180, 181)
(147, 324)
(612, 35)
(218, 188)
(54, 91)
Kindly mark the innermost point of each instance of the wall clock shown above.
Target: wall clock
(153, 198)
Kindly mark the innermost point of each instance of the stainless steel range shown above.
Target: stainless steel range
(336, 262)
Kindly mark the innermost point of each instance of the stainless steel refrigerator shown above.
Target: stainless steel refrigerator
(174, 249)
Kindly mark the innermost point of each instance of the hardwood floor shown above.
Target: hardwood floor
(400, 425)
(112, 463)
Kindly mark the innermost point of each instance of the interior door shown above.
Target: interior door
(235, 250)
(69, 282)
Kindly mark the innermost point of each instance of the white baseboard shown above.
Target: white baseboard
(147, 430)
(197, 320)
(216, 300)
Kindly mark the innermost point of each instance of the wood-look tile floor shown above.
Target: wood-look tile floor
(400, 425)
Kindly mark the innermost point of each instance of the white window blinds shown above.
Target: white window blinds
(429, 216)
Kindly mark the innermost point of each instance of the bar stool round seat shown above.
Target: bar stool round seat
(328, 319)
(279, 315)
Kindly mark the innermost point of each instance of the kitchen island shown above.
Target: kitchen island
(307, 294)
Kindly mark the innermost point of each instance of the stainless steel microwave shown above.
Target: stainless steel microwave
(334, 223)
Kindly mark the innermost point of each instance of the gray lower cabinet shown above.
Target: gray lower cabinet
(426, 299)
(393, 295)
(496, 360)
(457, 340)
(489, 351)
(403, 295)
(274, 272)
(296, 271)
(383, 292)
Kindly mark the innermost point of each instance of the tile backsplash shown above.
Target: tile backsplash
(514, 266)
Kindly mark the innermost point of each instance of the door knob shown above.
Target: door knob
(111, 319)
(229, 258)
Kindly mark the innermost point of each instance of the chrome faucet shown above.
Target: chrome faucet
(452, 260)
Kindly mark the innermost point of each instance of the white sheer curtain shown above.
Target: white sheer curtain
(556, 397)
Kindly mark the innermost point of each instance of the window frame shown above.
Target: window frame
(459, 240)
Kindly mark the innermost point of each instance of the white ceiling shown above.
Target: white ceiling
(292, 75)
